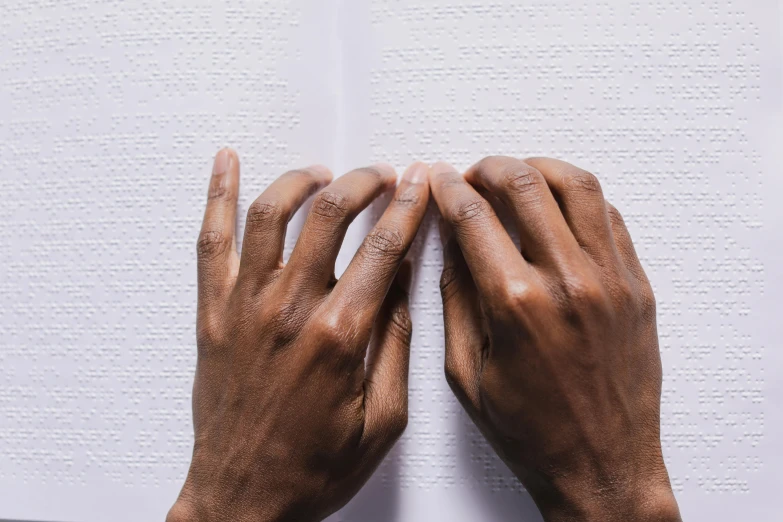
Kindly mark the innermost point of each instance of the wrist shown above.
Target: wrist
(641, 500)
(212, 509)
(214, 499)
(181, 512)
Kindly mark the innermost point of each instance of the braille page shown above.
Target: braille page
(670, 105)
(111, 114)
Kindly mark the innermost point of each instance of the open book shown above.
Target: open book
(110, 114)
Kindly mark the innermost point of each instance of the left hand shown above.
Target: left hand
(289, 423)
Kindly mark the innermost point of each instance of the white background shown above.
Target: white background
(110, 115)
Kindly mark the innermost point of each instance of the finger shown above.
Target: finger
(462, 323)
(543, 232)
(623, 243)
(491, 256)
(386, 374)
(268, 217)
(333, 210)
(582, 204)
(217, 256)
(367, 278)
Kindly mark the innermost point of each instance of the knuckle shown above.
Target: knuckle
(393, 419)
(330, 334)
(448, 280)
(332, 329)
(459, 378)
(219, 189)
(521, 178)
(211, 244)
(614, 215)
(383, 243)
(398, 419)
(217, 193)
(331, 205)
(581, 180)
(648, 301)
(471, 210)
(519, 295)
(583, 291)
(208, 334)
(401, 324)
(453, 375)
(626, 292)
(261, 211)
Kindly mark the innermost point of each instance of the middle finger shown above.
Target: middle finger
(367, 279)
(334, 208)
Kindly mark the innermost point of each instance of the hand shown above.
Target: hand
(553, 351)
(288, 422)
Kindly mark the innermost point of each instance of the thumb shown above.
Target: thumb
(462, 323)
(386, 376)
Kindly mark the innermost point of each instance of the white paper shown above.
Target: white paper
(110, 114)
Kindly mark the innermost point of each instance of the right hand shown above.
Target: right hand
(553, 351)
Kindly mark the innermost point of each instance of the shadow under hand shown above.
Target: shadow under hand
(497, 489)
(378, 500)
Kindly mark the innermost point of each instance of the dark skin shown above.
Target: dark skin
(289, 423)
(552, 351)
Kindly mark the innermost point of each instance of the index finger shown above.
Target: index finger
(489, 252)
(368, 277)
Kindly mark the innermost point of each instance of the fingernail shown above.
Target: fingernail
(441, 167)
(387, 170)
(321, 170)
(416, 173)
(222, 162)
